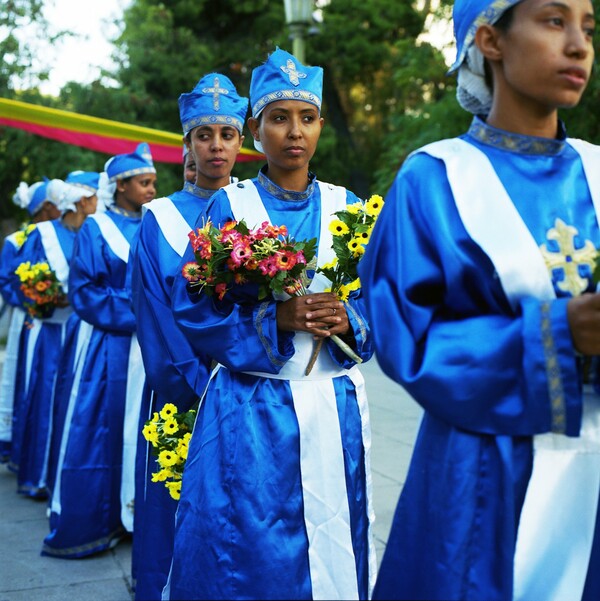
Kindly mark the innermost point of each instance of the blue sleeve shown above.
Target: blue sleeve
(444, 328)
(97, 282)
(8, 263)
(173, 368)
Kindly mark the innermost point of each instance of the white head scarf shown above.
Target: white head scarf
(106, 192)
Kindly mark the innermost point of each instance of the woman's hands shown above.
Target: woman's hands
(583, 314)
(321, 314)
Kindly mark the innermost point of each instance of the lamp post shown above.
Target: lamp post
(298, 16)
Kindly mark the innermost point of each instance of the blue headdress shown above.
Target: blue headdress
(472, 92)
(123, 166)
(87, 180)
(32, 197)
(213, 101)
(284, 77)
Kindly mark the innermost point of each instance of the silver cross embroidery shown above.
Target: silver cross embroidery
(290, 70)
(568, 258)
(215, 91)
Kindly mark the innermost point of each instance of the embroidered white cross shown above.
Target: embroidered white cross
(215, 91)
(568, 258)
(290, 70)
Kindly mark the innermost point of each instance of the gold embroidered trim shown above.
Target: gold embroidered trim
(555, 388)
(259, 329)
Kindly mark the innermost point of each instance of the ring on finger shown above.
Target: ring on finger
(334, 311)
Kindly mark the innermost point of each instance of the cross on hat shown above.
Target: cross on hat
(215, 91)
(291, 71)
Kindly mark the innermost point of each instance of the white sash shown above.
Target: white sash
(133, 402)
(84, 334)
(326, 511)
(113, 235)
(559, 514)
(54, 252)
(172, 224)
(9, 373)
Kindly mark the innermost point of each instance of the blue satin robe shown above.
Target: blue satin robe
(33, 417)
(240, 530)
(475, 365)
(90, 517)
(174, 372)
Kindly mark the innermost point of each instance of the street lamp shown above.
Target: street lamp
(298, 16)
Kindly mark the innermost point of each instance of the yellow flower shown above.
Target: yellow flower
(30, 228)
(161, 476)
(356, 246)
(167, 458)
(151, 433)
(20, 237)
(170, 426)
(174, 489)
(168, 410)
(187, 436)
(338, 228)
(331, 265)
(374, 205)
(155, 417)
(182, 449)
(343, 292)
(355, 208)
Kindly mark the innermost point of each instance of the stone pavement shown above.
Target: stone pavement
(26, 575)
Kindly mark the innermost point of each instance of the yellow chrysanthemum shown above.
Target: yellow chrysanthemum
(187, 436)
(331, 265)
(355, 208)
(168, 410)
(343, 292)
(155, 417)
(338, 228)
(42, 267)
(174, 489)
(167, 458)
(182, 449)
(20, 237)
(356, 246)
(374, 205)
(161, 476)
(170, 426)
(30, 228)
(151, 433)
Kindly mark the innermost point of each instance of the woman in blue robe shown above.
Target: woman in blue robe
(481, 266)
(52, 243)
(83, 189)
(275, 500)
(17, 360)
(87, 509)
(212, 130)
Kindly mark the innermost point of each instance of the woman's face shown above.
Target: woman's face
(289, 131)
(546, 55)
(89, 204)
(214, 149)
(135, 191)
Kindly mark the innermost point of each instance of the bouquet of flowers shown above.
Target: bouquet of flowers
(41, 287)
(235, 255)
(351, 231)
(169, 433)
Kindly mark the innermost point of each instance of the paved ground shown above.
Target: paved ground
(25, 575)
